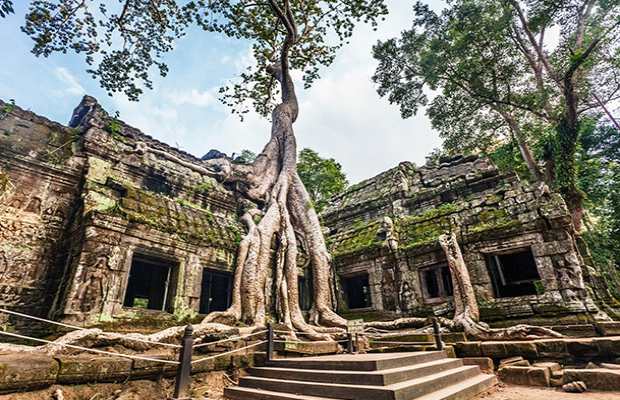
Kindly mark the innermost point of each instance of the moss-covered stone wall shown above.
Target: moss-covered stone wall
(388, 227)
(79, 202)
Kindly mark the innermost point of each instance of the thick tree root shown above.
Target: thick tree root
(97, 339)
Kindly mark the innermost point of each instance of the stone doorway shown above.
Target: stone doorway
(216, 291)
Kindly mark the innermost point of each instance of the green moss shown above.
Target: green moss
(362, 238)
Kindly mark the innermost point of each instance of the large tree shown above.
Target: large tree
(524, 71)
(124, 40)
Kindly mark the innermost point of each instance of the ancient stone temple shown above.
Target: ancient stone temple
(102, 225)
(93, 230)
(517, 240)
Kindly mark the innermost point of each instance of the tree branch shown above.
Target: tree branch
(538, 48)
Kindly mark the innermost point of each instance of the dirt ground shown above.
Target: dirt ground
(509, 392)
(210, 387)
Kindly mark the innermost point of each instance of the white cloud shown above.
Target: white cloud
(206, 98)
(65, 76)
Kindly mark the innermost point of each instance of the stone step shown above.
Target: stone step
(243, 393)
(375, 378)
(359, 362)
(403, 390)
(463, 390)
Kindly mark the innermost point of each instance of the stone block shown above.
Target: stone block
(530, 376)
(553, 348)
(27, 372)
(206, 365)
(551, 366)
(494, 349)
(608, 346)
(309, 348)
(450, 351)
(222, 363)
(581, 348)
(609, 328)
(468, 349)
(525, 349)
(509, 361)
(453, 337)
(485, 363)
(146, 369)
(556, 382)
(578, 331)
(595, 379)
(610, 366)
(78, 369)
(243, 360)
(549, 248)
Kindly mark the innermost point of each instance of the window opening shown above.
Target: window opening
(514, 274)
(357, 289)
(148, 284)
(436, 283)
(216, 291)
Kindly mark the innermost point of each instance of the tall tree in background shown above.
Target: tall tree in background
(322, 177)
(503, 75)
(285, 35)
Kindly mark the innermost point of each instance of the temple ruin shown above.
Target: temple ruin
(96, 232)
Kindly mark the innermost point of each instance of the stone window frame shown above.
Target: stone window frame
(157, 256)
(443, 295)
(502, 252)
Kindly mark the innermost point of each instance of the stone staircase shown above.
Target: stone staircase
(423, 375)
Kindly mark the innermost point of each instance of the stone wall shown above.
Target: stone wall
(388, 227)
(77, 203)
(80, 203)
(40, 182)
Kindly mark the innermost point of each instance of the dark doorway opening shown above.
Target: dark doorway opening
(148, 283)
(513, 274)
(304, 286)
(216, 292)
(436, 283)
(357, 289)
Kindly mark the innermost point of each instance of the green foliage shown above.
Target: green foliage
(503, 88)
(7, 109)
(113, 126)
(322, 177)
(246, 157)
(124, 41)
(508, 158)
(599, 179)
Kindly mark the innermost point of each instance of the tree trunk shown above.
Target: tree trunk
(565, 169)
(288, 214)
(466, 314)
(523, 146)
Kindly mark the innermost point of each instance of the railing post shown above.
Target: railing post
(350, 343)
(437, 335)
(269, 341)
(181, 383)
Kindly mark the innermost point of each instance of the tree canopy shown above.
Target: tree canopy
(322, 177)
(124, 41)
(504, 76)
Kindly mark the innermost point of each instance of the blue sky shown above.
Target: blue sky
(341, 116)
